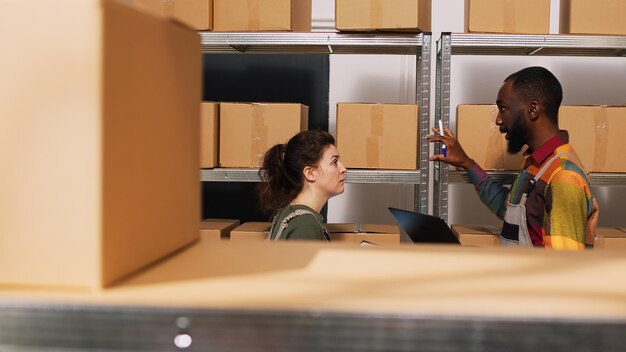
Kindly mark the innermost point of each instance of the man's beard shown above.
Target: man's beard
(517, 136)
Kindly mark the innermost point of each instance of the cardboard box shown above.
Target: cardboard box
(251, 231)
(511, 16)
(481, 138)
(606, 17)
(383, 15)
(610, 238)
(356, 233)
(209, 133)
(262, 15)
(248, 130)
(477, 235)
(100, 162)
(378, 136)
(217, 229)
(197, 14)
(595, 133)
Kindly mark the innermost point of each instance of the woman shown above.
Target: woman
(300, 177)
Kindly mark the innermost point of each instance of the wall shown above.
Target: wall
(475, 79)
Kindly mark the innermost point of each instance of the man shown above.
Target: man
(550, 203)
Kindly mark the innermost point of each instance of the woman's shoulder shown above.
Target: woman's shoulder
(304, 222)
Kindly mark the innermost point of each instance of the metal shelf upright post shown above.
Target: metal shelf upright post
(340, 43)
(451, 44)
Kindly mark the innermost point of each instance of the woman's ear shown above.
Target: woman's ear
(310, 173)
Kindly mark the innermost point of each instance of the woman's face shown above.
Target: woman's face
(331, 172)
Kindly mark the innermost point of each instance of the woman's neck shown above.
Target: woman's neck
(310, 199)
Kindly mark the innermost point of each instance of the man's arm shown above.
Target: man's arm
(492, 193)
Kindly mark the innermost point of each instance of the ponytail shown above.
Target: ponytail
(282, 167)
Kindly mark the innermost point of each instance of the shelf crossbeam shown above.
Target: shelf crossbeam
(352, 176)
(314, 42)
(537, 45)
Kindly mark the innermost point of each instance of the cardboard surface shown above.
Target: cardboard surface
(610, 238)
(262, 15)
(378, 136)
(250, 231)
(197, 14)
(383, 15)
(209, 135)
(217, 229)
(445, 281)
(606, 17)
(248, 130)
(481, 138)
(511, 16)
(378, 234)
(595, 133)
(101, 169)
(477, 235)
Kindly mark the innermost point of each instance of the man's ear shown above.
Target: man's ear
(534, 110)
(310, 173)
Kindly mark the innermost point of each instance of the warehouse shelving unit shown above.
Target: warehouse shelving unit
(44, 327)
(451, 44)
(339, 43)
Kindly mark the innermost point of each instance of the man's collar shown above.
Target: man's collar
(545, 150)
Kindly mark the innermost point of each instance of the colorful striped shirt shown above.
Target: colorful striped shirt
(561, 212)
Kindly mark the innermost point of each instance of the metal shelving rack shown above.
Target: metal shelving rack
(41, 327)
(339, 43)
(451, 44)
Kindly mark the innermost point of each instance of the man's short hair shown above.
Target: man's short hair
(537, 83)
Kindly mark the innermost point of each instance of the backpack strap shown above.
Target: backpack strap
(285, 222)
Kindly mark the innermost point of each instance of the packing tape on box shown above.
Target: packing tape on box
(376, 13)
(494, 154)
(170, 7)
(602, 135)
(376, 133)
(508, 15)
(259, 134)
(254, 14)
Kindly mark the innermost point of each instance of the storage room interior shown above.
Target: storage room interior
(123, 228)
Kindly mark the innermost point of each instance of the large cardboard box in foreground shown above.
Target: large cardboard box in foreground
(209, 135)
(593, 17)
(481, 138)
(248, 130)
(383, 15)
(197, 14)
(99, 141)
(477, 235)
(378, 136)
(595, 133)
(217, 229)
(262, 15)
(511, 16)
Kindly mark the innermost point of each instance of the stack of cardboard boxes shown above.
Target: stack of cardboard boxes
(594, 132)
(235, 15)
(238, 134)
(603, 17)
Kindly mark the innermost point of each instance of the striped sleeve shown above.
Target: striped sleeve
(567, 209)
(491, 193)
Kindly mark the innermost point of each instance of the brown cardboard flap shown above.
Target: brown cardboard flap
(216, 229)
(610, 238)
(362, 228)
